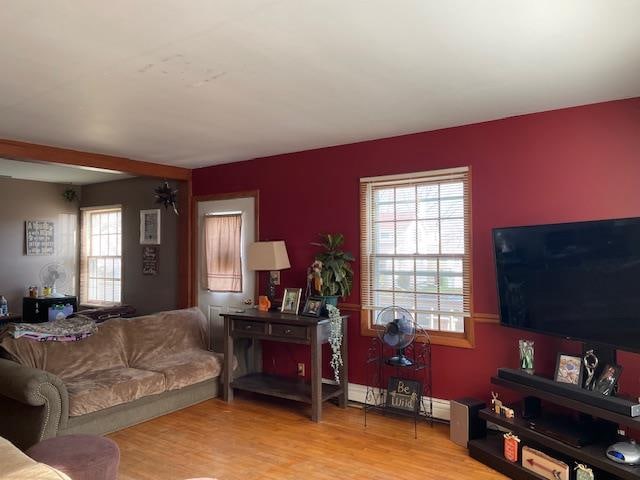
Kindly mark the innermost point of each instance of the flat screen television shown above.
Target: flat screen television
(576, 280)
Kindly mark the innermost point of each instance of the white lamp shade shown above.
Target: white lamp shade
(268, 256)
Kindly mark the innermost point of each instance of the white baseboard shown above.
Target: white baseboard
(441, 408)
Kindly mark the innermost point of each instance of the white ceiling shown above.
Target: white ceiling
(55, 173)
(199, 82)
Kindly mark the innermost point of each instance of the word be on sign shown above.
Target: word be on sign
(39, 237)
(404, 394)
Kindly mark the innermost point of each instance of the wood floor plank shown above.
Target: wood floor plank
(265, 439)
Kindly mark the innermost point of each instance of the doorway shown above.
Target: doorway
(214, 303)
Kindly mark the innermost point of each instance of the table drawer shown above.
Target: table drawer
(247, 326)
(289, 331)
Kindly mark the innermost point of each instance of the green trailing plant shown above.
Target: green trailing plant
(335, 340)
(336, 272)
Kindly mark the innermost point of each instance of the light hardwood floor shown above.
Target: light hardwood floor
(257, 438)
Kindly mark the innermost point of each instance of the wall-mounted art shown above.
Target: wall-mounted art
(39, 237)
(150, 227)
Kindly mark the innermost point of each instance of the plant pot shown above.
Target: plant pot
(329, 300)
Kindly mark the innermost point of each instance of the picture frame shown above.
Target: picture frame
(569, 369)
(314, 306)
(150, 227)
(291, 300)
(608, 379)
(404, 395)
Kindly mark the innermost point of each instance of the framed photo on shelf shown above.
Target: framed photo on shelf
(606, 382)
(291, 300)
(150, 227)
(313, 306)
(569, 369)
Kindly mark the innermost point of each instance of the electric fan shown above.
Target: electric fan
(399, 332)
(54, 275)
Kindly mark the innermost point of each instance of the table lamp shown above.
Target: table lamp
(268, 257)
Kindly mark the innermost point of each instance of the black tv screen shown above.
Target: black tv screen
(576, 280)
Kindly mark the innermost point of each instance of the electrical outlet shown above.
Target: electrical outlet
(301, 369)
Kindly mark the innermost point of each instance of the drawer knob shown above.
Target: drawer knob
(287, 331)
(247, 327)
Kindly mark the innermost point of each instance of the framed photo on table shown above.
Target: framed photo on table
(291, 300)
(313, 307)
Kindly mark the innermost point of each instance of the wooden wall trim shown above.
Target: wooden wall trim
(486, 318)
(185, 252)
(15, 150)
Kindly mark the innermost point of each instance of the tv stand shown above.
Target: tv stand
(559, 445)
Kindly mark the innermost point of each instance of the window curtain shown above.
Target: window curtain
(223, 263)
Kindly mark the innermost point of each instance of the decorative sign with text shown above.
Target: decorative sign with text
(39, 237)
(405, 395)
(150, 259)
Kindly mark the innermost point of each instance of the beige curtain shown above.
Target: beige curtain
(223, 265)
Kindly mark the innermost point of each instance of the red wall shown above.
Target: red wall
(566, 165)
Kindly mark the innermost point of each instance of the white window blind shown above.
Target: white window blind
(101, 256)
(416, 246)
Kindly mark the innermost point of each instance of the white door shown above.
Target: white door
(211, 303)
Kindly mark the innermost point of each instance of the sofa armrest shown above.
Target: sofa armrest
(36, 388)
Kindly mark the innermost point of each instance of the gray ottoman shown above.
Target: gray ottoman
(82, 457)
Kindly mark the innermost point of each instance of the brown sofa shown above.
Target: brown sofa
(131, 370)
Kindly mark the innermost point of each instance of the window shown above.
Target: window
(416, 249)
(222, 248)
(101, 256)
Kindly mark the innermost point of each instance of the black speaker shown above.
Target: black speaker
(531, 408)
(465, 423)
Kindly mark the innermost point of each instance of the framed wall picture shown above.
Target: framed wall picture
(404, 395)
(569, 369)
(291, 300)
(150, 227)
(313, 306)
(39, 237)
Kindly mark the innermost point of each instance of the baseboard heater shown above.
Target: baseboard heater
(619, 405)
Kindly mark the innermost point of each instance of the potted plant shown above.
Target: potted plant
(331, 275)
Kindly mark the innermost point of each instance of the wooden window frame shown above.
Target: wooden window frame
(86, 254)
(464, 339)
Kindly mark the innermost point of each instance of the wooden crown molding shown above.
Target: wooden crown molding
(16, 150)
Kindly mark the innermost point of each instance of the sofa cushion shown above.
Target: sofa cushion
(101, 389)
(187, 368)
(103, 350)
(152, 338)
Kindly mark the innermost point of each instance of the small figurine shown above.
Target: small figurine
(590, 365)
(508, 412)
(497, 404)
(526, 355)
(511, 447)
(583, 472)
(263, 303)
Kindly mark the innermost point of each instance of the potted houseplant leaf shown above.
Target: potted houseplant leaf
(331, 275)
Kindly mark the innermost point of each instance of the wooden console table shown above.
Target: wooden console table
(287, 328)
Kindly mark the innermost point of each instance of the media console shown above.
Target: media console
(489, 450)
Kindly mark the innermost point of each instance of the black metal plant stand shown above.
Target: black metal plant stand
(378, 373)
